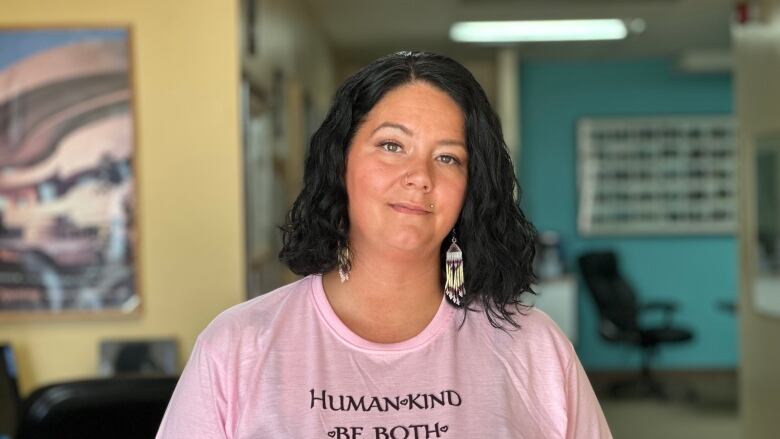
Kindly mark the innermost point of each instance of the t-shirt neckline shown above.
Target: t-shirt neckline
(434, 327)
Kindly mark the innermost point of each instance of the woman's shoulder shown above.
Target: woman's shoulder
(539, 323)
(256, 315)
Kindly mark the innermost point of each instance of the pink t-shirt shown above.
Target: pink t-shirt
(284, 366)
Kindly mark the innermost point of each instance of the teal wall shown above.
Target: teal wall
(695, 271)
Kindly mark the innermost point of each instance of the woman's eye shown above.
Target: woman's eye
(391, 147)
(449, 160)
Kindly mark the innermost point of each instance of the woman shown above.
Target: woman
(408, 322)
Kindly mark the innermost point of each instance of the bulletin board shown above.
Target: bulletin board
(657, 175)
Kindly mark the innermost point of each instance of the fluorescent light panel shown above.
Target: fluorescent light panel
(537, 30)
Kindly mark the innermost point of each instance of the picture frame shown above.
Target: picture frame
(68, 229)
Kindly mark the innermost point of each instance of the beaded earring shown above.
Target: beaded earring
(344, 263)
(454, 286)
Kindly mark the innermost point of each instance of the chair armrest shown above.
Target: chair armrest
(668, 308)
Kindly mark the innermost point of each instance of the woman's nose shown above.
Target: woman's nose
(418, 178)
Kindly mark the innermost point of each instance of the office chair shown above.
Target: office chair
(116, 408)
(9, 391)
(619, 317)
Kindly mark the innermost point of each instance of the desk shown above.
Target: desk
(558, 298)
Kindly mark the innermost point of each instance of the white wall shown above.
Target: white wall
(757, 51)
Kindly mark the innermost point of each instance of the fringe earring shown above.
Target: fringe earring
(344, 263)
(454, 287)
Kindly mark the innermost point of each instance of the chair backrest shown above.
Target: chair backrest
(117, 408)
(614, 296)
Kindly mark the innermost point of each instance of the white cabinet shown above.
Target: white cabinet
(558, 298)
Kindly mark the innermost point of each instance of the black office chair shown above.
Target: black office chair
(619, 316)
(9, 391)
(116, 408)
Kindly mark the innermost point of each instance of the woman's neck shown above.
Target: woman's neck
(386, 300)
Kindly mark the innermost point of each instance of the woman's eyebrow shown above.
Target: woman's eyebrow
(395, 125)
(408, 132)
(453, 142)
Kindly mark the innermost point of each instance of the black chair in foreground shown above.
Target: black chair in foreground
(9, 391)
(116, 408)
(619, 317)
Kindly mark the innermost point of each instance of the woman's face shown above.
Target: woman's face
(410, 153)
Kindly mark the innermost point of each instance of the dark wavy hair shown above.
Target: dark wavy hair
(496, 237)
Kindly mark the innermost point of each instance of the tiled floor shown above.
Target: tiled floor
(646, 419)
(712, 414)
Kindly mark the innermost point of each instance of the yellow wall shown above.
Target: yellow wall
(189, 177)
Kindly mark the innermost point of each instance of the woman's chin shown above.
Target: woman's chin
(416, 244)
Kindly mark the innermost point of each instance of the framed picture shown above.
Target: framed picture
(138, 357)
(67, 177)
(665, 175)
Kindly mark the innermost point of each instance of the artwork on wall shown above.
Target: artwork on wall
(67, 177)
(657, 175)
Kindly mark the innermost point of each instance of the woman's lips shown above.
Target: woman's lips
(409, 209)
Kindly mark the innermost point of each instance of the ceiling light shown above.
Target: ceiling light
(537, 30)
